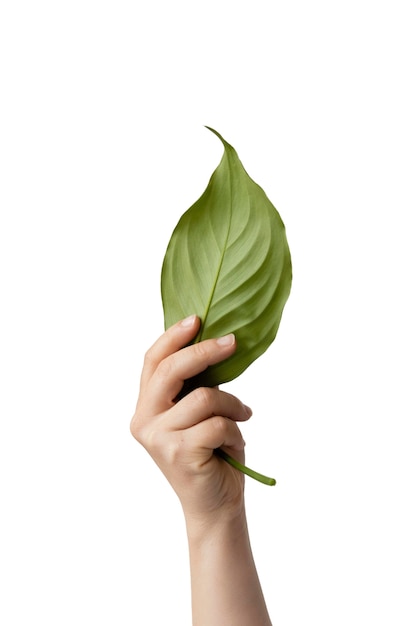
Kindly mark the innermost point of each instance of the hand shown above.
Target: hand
(181, 435)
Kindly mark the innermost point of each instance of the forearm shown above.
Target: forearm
(224, 581)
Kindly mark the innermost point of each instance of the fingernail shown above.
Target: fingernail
(188, 321)
(248, 410)
(227, 340)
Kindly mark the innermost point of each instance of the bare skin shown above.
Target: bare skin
(181, 437)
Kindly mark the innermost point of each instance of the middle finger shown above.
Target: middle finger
(169, 376)
(203, 403)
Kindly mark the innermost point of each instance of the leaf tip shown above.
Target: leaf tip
(215, 132)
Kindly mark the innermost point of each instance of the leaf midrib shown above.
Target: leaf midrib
(216, 280)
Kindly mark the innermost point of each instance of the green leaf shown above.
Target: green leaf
(228, 262)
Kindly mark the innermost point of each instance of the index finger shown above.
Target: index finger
(171, 373)
(173, 339)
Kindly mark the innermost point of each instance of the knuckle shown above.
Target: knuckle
(149, 358)
(174, 450)
(165, 368)
(141, 431)
(136, 427)
(219, 425)
(201, 350)
(203, 397)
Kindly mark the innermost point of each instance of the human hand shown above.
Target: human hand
(181, 435)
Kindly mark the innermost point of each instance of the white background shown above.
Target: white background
(102, 148)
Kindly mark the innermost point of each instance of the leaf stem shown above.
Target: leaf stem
(245, 470)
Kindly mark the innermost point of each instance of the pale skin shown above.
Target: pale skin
(181, 436)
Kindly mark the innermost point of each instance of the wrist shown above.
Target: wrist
(219, 525)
